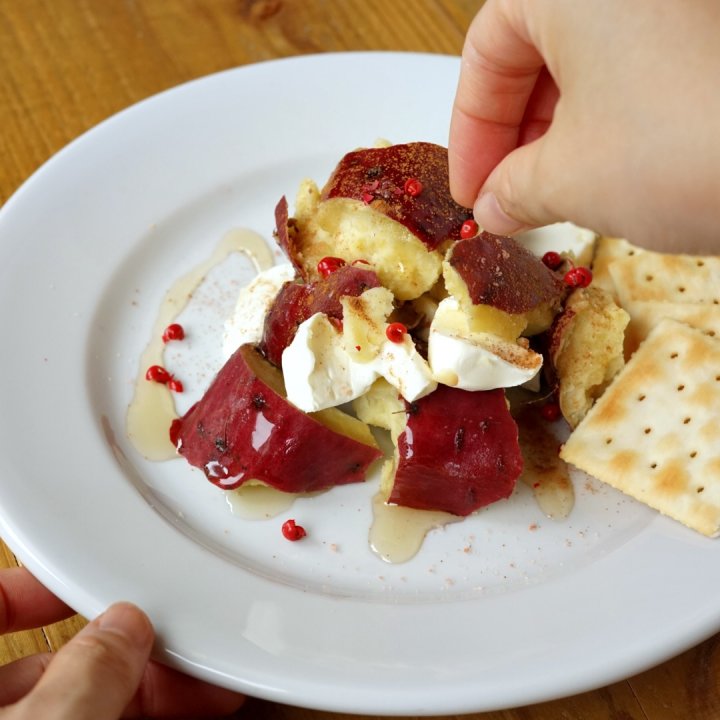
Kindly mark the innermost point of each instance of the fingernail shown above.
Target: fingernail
(491, 217)
(127, 620)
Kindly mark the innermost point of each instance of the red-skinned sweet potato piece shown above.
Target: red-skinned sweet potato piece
(295, 303)
(459, 452)
(500, 272)
(285, 234)
(244, 429)
(377, 176)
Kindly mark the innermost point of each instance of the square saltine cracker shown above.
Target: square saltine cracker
(607, 251)
(646, 314)
(655, 432)
(670, 278)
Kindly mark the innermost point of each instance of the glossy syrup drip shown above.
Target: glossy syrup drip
(152, 409)
(544, 472)
(397, 533)
(259, 502)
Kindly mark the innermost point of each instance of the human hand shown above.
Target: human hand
(102, 673)
(599, 113)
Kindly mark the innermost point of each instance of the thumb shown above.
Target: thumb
(514, 196)
(97, 673)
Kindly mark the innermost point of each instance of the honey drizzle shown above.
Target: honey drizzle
(397, 533)
(152, 409)
(545, 473)
(258, 502)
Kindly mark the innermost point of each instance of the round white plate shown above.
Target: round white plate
(503, 609)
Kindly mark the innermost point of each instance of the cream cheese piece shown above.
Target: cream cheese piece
(319, 373)
(246, 323)
(474, 360)
(560, 237)
(405, 369)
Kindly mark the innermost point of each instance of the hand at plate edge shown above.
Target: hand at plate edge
(103, 672)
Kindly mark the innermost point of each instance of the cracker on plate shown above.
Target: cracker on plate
(672, 278)
(608, 250)
(646, 314)
(654, 434)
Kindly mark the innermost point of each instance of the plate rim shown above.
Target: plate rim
(386, 700)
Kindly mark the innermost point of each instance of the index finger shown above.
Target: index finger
(25, 603)
(499, 70)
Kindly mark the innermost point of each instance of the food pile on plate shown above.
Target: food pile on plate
(397, 312)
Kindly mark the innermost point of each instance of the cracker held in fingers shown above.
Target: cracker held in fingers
(654, 433)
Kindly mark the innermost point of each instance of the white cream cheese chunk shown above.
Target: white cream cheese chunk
(562, 237)
(246, 323)
(405, 369)
(475, 360)
(319, 373)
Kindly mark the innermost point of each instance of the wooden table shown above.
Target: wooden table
(65, 65)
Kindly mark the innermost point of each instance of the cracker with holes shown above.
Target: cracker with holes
(651, 286)
(645, 315)
(654, 433)
(607, 251)
(670, 278)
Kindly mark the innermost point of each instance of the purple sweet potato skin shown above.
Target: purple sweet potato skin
(242, 430)
(458, 453)
(296, 302)
(500, 272)
(377, 176)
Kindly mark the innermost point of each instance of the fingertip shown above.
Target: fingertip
(96, 674)
(25, 603)
(474, 150)
(522, 192)
(129, 621)
(491, 217)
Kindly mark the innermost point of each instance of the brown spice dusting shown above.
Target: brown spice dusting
(432, 215)
(518, 281)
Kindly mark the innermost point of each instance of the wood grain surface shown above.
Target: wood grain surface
(65, 65)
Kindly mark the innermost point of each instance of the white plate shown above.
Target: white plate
(504, 609)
